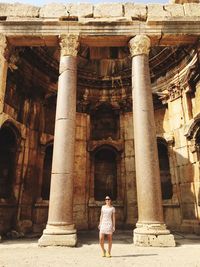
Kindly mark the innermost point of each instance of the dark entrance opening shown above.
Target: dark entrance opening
(165, 176)
(46, 181)
(8, 146)
(105, 174)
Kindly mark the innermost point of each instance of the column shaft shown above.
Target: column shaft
(3, 70)
(60, 229)
(146, 155)
(151, 230)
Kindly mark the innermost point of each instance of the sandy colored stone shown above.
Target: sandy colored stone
(179, 137)
(183, 1)
(18, 10)
(108, 10)
(154, 240)
(129, 148)
(186, 173)
(157, 10)
(53, 11)
(129, 164)
(81, 133)
(187, 192)
(174, 10)
(182, 155)
(135, 11)
(82, 10)
(192, 9)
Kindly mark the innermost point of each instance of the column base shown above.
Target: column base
(153, 235)
(58, 237)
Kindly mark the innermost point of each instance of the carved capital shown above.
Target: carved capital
(69, 45)
(140, 44)
(3, 45)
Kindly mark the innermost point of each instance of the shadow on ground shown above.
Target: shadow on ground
(119, 237)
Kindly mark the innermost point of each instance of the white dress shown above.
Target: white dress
(106, 226)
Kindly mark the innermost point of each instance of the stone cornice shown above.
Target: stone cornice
(95, 33)
(69, 45)
(140, 44)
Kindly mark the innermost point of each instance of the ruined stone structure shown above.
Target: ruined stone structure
(100, 100)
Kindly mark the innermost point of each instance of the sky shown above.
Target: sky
(43, 2)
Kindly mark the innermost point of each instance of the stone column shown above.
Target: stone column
(151, 230)
(3, 70)
(60, 229)
(3, 73)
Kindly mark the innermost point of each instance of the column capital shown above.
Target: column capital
(69, 45)
(140, 44)
(3, 44)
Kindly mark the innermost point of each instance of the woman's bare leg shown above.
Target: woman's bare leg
(109, 243)
(101, 241)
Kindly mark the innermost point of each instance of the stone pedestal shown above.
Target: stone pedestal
(60, 230)
(151, 230)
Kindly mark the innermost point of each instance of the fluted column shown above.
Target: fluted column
(60, 229)
(151, 230)
(3, 70)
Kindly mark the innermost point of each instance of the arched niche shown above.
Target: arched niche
(165, 175)
(8, 149)
(193, 135)
(105, 173)
(46, 176)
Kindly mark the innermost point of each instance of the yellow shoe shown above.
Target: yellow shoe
(104, 253)
(108, 255)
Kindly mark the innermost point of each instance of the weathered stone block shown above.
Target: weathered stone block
(81, 133)
(135, 11)
(154, 240)
(128, 126)
(80, 148)
(85, 10)
(188, 211)
(187, 193)
(172, 216)
(192, 9)
(108, 10)
(186, 173)
(182, 156)
(53, 11)
(175, 10)
(18, 10)
(129, 164)
(179, 138)
(81, 119)
(157, 10)
(129, 148)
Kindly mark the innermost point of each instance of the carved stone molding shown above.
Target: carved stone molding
(13, 60)
(140, 44)
(92, 145)
(69, 45)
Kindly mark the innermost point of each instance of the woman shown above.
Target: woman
(107, 226)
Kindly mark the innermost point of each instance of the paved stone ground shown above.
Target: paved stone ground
(26, 253)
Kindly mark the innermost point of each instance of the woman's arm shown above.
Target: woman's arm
(113, 221)
(100, 219)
